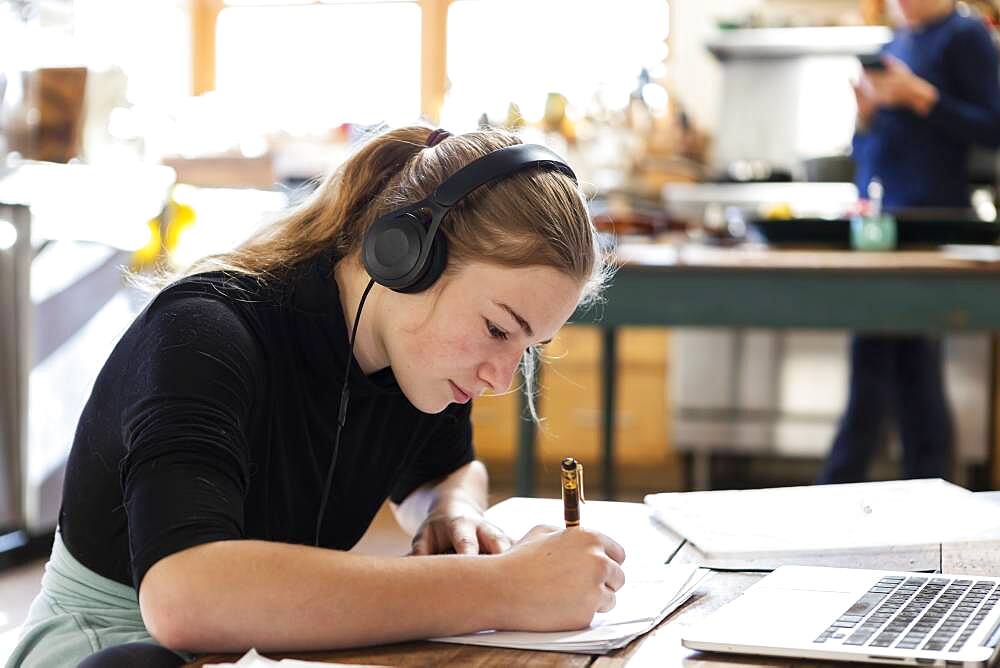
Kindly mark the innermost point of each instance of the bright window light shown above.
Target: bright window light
(305, 69)
(504, 51)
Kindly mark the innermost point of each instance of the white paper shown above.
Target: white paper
(909, 516)
(652, 589)
(631, 525)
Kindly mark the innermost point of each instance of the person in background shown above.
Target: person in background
(937, 94)
(192, 517)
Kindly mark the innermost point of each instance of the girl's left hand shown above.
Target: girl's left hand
(455, 524)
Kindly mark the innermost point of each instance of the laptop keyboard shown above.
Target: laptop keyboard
(915, 613)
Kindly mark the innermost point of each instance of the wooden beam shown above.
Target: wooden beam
(204, 15)
(433, 57)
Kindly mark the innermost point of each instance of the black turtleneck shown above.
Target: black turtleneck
(213, 419)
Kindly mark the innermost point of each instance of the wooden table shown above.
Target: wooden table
(756, 286)
(660, 647)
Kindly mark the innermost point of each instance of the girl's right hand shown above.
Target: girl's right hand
(556, 579)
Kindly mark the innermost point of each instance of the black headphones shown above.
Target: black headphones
(403, 251)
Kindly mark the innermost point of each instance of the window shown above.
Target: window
(504, 51)
(306, 68)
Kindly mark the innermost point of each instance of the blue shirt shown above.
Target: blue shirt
(921, 161)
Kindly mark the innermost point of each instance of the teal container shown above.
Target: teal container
(873, 233)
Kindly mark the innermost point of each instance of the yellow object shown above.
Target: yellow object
(182, 217)
(781, 211)
(148, 254)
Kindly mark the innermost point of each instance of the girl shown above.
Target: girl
(250, 423)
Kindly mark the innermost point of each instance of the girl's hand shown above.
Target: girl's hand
(456, 524)
(556, 579)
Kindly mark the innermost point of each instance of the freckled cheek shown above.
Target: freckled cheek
(444, 352)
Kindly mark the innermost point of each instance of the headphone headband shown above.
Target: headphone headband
(495, 166)
(402, 251)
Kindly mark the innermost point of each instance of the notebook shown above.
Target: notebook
(652, 588)
(897, 524)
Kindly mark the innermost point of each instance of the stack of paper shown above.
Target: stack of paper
(901, 520)
(652, 589)
(649, 595)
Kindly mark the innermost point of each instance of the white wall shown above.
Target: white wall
(694, 73)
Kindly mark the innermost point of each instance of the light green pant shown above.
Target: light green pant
(77, 613)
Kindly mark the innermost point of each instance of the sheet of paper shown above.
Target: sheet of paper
(652, 589)
(631, 525)
(649, 595)
(908, 515)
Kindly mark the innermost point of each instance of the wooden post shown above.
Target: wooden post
(204, 15)
(433, 57)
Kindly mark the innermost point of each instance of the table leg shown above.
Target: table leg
(608, 378)
(993, 421)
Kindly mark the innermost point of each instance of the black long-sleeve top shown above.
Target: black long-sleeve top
(213, 419)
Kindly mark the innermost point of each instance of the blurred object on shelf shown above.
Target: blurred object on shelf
(829, 169)
(555, 118)
(780, 211)
(754, 171)
(621, 215)
(46, 124)
(232, 170)
(720, 226)
(794, 14)
(668, 148)
(689, 201)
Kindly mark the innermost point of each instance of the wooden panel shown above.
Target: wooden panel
(494, 423)
(570, 400)
(571, 397)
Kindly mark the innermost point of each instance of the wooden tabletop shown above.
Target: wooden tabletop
(693, 256)
(660, 647)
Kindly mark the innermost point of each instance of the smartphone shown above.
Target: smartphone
(871, 61)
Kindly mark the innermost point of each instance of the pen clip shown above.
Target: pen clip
(579, 481)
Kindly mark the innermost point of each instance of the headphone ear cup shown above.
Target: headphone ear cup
(391, 250)
(437, 260)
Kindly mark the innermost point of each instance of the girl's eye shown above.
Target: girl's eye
(495, 331)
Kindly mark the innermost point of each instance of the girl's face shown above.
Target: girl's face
(467, 334)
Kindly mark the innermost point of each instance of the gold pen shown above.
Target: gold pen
(572, 490)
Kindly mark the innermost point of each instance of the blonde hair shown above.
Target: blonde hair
(536, 217)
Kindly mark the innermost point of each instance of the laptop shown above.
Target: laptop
(845, 614)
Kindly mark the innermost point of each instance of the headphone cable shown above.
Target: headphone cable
(341, 414)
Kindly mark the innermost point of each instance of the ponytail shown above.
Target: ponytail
(334, 217)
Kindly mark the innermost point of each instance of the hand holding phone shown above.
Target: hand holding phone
(871, 61)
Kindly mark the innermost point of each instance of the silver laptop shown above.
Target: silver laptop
(851, 614)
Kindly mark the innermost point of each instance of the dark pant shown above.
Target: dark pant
(898, 376)
(131, 655)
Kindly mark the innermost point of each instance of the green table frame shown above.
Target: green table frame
(884, 292)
